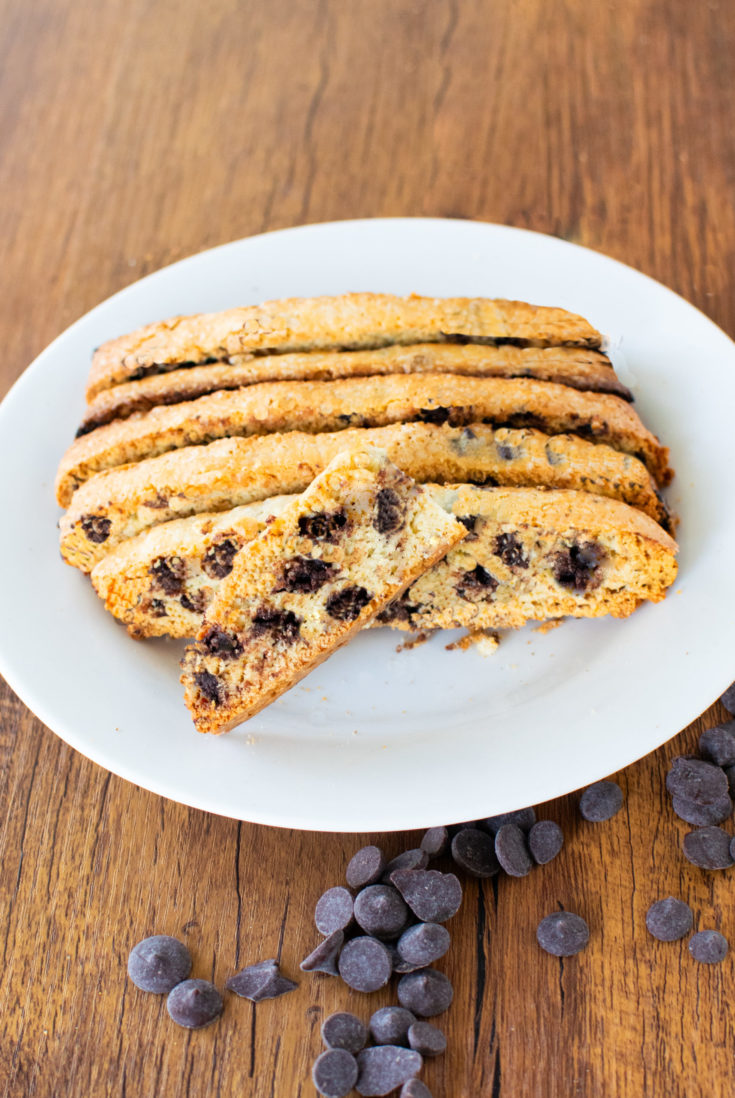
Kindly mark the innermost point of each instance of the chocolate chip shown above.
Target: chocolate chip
(282, 624)
(563, 933)
(476, 583)
(437, 415)
(718, 744)
(474, 852)
(366, 867)
(545, 840)
(326, 526)
(304, 574)
(708, 947)
(730, 775)
(708, 848)
(390, 1025)
(390, 512)
(426, 993)
(211, 687)
(334, 910)
(414, 1088)
(524, 818)
(601, 801)
(702, 815)
(334, 1073)
(96, 528)
(194, 1003)
(732, 849)
(157, 608)
(728, 699)
(224, 645)
(509, 548)
(696, 781)
(507, 452)
(324, 957)
(344, 1030)
(512, 852)
(346, 605)
(427, 1039)
(578, 566)
(435, 841)
(159, 963)
(365, 964)
(552, 456)
(385, 1068)
(669, 919)
(218, 559)
(433, 897)
(195, 603)
(423, 944)
(416, 858)
(470, 524)
(168, 574)
(260, 981)
(381, 911)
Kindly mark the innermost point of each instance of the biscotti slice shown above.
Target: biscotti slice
(121, 503)
(320, 572)
(577, 367)
(345, 322)
(316, 406)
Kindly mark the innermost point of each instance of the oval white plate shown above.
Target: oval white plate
(375, 739)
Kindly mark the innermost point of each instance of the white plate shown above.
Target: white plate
(375, 739)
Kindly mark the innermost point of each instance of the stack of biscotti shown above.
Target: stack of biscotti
(196, 427)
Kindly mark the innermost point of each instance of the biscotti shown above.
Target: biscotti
(162, 582)
(577, 367)
(317, 574)
(346, 322)
(118, 504)
(316, 406)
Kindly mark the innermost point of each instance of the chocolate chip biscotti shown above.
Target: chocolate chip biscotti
(318, 573)
(316, 406)
(345, 322)
(121, 503)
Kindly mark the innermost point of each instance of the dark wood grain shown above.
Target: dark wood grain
(134, 132)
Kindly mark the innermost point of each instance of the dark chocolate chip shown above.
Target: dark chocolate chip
(709, 947)
(365, 964)
(524, 818)
(347, 604)
(669, 919)
(545, 840)
(728, 699)
(390, 512)
(476, 583)
(427, 1039)
(366, 867)
(196, 603)
(433, 897)
(511, 850)
(304, 574)
(718, 744)
(324, 957)
(210, 686)
(381, 911)
(414, 1088)
(334, 1073)
(507, 452)
(474, 852)
(385, 1068)
(416, 858)
(260, 981)
(168, 573)
(437, 416)
(435, 841)
(509, 548)
(344, 1030)
(708, 848)
(390, 1025)
(218, 559)
(730, 775)
(563, 933)
(158, 608)
(282, 624)
(578, 566)
(696, 781)
(470, 524)
(601, 801)
(159, 963)
(334, 910)
(426, 993)
(326, 526)
(194, 1003)
(423, 944)
(702, 815)
(96, 528)
(224, 645)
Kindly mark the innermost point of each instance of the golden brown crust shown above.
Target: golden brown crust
(345, 322)
(119, 504)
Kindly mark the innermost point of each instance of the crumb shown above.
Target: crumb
(484, 640)
(414, 642)
(547, 626)
(250, 738)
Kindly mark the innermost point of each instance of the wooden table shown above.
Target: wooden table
(135, 132)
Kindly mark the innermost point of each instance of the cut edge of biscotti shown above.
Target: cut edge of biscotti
(319, 571)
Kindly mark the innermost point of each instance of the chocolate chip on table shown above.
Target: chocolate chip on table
(380, 910)
(334, 1073)
(435, 842)
(563, 933)
(423, 944)
(427, 1039)
(702, 815)
(730, 775)
(511, 850)
(696, 781)
(390, 1025)
(385, 1068)
(159, 963)
(728, 699)
(524, 818)
(365, 964)
(414, 1088)
(194, 1003)
(474, 852)
(344, 1030)
(366, 867)
(708, 946)
(260, 981)
(416, 858)
(345, 605)
(433, 896)
(334, 910)
(426, 993)
(669, 919)
(324, 957)
(601, 801)
(718, 744)
(390, 513)
(545, 840)
(708, 848)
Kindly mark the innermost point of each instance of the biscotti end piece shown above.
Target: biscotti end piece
(318, 573)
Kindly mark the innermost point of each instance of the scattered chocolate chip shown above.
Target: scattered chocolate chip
(730, 775)
(211, 687)
(194, 1003)
(224, 645)
(283, 624)
(260, 981)
(159, 963)
(416, 858)
(511, 850)
(426, 993)
(218, 559)
(324, 526)
(365, 964)
(601, 801)
(474, 852)
(545, 840)
(524, 818)
(423, 944)
(563, 933)
(324, 957)
(435, 842)
(414, 1088)
(708, 848)
(728, 699)
(427, 1039)
(346, 605)
(390, 1025)
(385, 1068)
(168, 573)
(433, 897)
(305, 574)
(476, 583)
(96, 528)
(578, 566)
(718, 744)
(509, 548)
(390, 512)
(366, 867)
(334, 1073)
(702, 815)
(381, 911)
(344, 1030)
(696, 781)
(669, 919)
(709, 947)
(334, 910)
